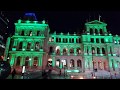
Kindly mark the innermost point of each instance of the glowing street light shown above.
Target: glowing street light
(81, 77)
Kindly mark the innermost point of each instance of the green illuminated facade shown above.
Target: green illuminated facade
(32, 45)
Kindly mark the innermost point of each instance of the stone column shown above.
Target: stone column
(68, 64)
(110, 65)
(39, 61)
(94, 40)
(86, 64)
(53, 61)
(68, 51)
(75, 64)
(75, 51)
(99, 40)
(83, 65)
(12, 60)
(61, 40)
(91, 65)
(68, 40)
(30, 61)
(74, 40)
(85, 49)
(95, 50)
(101, 51)
(61, 51)
(115, 65)
(21, 61)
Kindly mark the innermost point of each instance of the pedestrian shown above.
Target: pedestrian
(13, 73)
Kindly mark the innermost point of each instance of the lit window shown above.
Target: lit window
(50, 39)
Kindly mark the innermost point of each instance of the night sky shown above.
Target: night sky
(68, 21)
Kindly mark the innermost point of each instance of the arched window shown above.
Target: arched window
(28, 45)
(93, 50)
(57, 39)
(64, 51)
(27, 61)
(92, 40)
(72, 40)
(71, 51)
(35, 63)
(51, 50)
(20, 45)
(101, 32)
(103, 50)
(91, 31)
(96, 32)
(22, 33)
(30, 33)
(79, 40)
(111, 50)
(78, 51)
(79, 63)
(64, 63)
(57, 50)
(97, 40)
(87, 50)
(58, 62)
(102, 40)
(49, 62)
(18, 61)
(64, 40)
(71, 63)
(38, 33)
(37, 46)
(98, 50)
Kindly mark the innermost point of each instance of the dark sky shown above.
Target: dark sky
(69, 21)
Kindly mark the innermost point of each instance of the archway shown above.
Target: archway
(58, 62)
(28, 45)
(71, 51)
(49, 62)
(20, 45)
(71, 63)
(64, 51)
(79, 63)
(57, 50)
(18, 61)
(35, 63)
(78, 51)
(51, 50)
(37, 46)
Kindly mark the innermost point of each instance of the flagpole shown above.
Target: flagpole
(99, 17)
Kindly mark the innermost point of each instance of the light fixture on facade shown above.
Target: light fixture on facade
(49, 59)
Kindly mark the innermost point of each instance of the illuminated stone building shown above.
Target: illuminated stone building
(32, 45)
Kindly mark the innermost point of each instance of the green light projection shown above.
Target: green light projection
(31, 39)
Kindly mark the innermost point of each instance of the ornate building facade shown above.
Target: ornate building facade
(32, 45)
